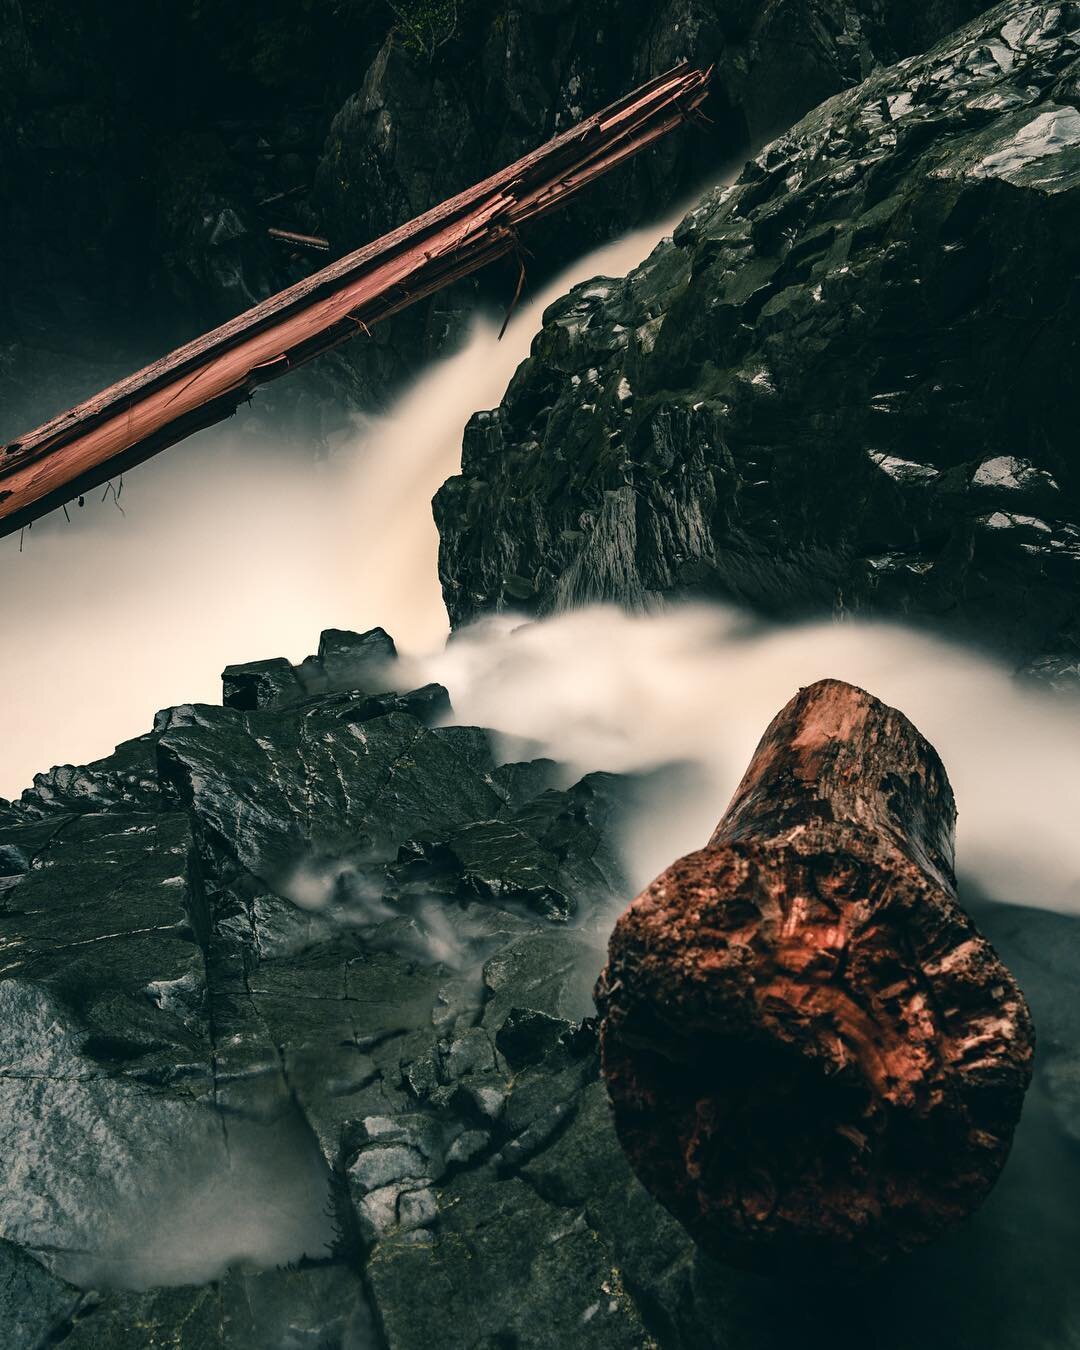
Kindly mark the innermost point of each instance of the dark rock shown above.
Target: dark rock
(260, 684)
(344, 660)
(33, 1303)
(376, 1067)
(137, 227)
(123, 780)
(847, 385)
(522, 782)
(526, 1036)
(314, 1049)
(353, 659)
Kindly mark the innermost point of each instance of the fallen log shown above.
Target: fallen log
(814, 1060)
(206, 380)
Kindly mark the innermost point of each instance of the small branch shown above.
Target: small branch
(303, 240)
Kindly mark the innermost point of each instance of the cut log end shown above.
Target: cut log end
(814, 1059)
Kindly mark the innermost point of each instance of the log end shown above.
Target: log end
(814, 1059)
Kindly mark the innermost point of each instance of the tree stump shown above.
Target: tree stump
(814, 1059)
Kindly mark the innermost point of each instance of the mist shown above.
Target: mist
(697, 685)
(257, 1199)
(230, 551)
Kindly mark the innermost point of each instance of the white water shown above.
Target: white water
(602, 689)
(230, 552)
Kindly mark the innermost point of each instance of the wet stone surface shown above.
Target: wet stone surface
(297, 1050)
(847, 385)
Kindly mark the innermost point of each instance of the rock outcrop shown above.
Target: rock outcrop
(848, 383)
(138, 214)
(295, 1049)
(815, 1060)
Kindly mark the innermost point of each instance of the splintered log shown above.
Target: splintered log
(205, 381)
(814, 1059)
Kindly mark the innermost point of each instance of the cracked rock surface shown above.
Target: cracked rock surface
(848, 383)
(296, 1051)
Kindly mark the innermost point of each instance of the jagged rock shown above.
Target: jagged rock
(123, 780)
(388, 1068)
(135, 230)
(345, 660)
(814, 1059)
(526, 1035)
(260, 684)
(848, 384)
(548, 855)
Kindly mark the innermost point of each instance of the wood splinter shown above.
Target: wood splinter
(314, 241)
(814, 1059)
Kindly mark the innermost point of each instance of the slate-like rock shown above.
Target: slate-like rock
(290, 1057)
(847, 385)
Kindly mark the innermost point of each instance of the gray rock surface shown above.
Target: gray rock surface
(848, 384)
(296, 1051)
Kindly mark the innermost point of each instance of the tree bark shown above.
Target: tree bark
(207, 379)
(814, 1059)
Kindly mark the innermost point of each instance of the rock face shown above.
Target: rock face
(295, 1050)
(139, 215)
(815, 1060)
(848, 383)
(427, 123)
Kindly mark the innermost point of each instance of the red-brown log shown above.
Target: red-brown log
(207, 379)
(814, 1059)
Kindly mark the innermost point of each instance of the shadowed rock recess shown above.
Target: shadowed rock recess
(848, 383)
(296, 1051)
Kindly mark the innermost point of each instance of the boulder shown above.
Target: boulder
(846, 385)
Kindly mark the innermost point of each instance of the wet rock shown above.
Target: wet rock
(844, 386)
(260, 684)
(526, 1035)
(344, 661)
(33, 1303)
(125, 779)
(248, 1113)
(343, 125)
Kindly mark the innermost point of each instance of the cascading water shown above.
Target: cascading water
(237, 561)
(225, 557)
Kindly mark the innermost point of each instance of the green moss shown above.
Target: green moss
(426, 25)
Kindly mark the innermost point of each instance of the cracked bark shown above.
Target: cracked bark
(813, 1057)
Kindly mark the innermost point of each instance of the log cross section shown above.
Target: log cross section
(814, 1059)
(206, 380)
